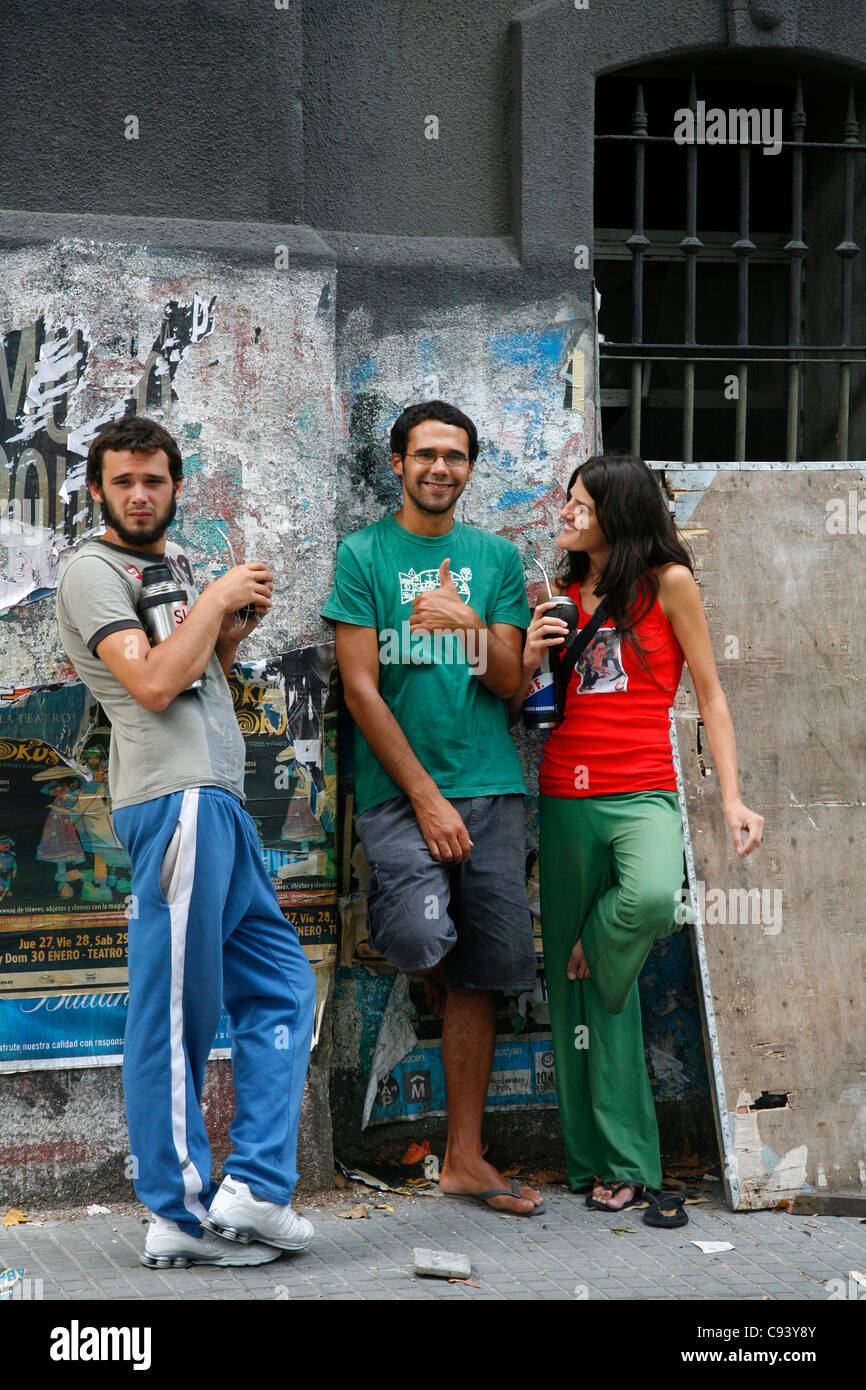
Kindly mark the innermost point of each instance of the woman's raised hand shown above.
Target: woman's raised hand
(544, 631)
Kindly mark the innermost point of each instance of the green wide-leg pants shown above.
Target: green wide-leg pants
(611, 871)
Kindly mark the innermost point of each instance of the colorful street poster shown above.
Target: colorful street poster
(72, 1030)
(65, 881)
(522, 1077)
(64, 875)
(287, 711)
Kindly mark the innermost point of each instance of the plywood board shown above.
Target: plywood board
(782, 936)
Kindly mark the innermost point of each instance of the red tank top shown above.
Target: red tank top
(615, 736)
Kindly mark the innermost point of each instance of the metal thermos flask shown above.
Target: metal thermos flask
(163, 607)
(539, 704)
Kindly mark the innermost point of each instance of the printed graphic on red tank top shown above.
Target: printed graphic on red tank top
(613, 746)
(600, 667)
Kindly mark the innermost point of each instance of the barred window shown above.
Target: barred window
(732, 297)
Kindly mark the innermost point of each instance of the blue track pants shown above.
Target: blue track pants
(206, 930)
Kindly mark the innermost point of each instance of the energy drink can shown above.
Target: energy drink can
(541, 704)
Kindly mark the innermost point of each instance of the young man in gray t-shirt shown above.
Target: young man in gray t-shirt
(206, 927)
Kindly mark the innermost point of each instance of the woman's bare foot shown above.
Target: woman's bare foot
(603, 1192)
(577, 968)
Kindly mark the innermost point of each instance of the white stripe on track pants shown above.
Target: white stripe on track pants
(208, 930)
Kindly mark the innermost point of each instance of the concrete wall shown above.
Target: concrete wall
(248, 393)
(249, 397)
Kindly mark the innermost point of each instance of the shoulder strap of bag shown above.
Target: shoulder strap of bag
(577, 644)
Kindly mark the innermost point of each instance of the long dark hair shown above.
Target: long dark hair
(634, 517)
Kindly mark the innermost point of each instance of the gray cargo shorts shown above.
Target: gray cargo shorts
(473, 917)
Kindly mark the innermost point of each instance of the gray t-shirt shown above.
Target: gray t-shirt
(196, 741)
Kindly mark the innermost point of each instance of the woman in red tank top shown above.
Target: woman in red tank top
(611, 841)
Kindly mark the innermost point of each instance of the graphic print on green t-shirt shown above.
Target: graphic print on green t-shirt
(457, 728)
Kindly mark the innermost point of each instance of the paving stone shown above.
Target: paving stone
(443, 1264)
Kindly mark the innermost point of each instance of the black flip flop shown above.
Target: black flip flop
(666, 1211)
(636, 1201)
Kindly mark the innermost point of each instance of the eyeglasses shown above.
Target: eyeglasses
(430, 456)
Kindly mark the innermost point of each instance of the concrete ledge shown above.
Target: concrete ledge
(65, 1143)
(447, 253)
(247, 241)
(255, 241)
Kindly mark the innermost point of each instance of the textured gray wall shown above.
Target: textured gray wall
(214, 84)
(373, 73)
(315, 113)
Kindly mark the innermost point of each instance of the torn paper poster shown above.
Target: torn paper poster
(29, 564)
(56, 377)
(396, 1037)
(522, 1077)
(45, 505)
(667, 1067)
(59, 716)
(324, 974)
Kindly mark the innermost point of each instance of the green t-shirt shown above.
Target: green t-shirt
(456, 727)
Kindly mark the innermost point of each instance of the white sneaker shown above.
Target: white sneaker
(237, 1215)
(168, 1247)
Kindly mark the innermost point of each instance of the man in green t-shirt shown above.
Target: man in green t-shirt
(430, 615)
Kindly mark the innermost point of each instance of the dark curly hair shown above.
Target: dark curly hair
(141, 436)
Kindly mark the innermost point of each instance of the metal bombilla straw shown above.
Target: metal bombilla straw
(543, 571)
(242, 615)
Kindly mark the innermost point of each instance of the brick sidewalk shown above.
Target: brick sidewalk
(568, 1252)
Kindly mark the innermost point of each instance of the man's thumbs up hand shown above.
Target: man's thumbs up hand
(442, 609)
(445, 580)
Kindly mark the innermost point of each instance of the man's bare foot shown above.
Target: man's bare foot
(480, 1176)
(603, 1192)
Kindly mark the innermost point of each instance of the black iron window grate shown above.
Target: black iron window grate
(766, 377)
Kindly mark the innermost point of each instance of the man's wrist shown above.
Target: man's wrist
(425, 795)
(211, 602)
(469, 622)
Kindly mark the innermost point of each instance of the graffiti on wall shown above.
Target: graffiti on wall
(44, 502)
(526, 376)
(513, 373)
